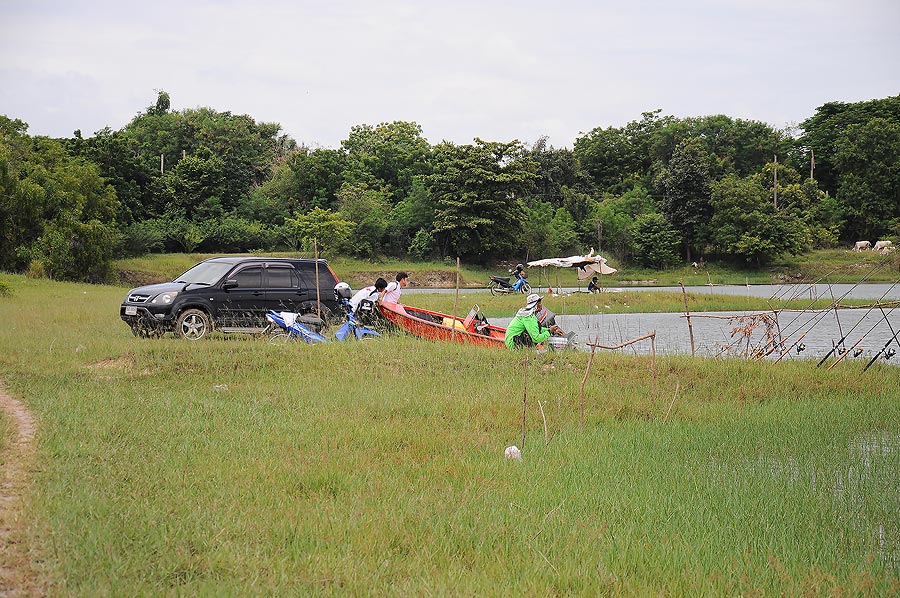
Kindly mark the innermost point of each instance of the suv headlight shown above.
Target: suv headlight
(164, 298)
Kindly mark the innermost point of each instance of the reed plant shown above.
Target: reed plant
(234, 467)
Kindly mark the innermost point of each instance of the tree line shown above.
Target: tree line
(656, 192)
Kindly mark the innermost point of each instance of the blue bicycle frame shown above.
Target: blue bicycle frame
(352, 328)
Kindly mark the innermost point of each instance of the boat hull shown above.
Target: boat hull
(434, 326)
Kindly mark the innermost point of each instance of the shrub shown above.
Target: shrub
(143, 237)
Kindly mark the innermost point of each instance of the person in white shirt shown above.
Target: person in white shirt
(370, 293)
(392, 293)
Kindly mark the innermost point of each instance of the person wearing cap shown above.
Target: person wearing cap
(524, 330)
(592, 286)
(392, 293)
(370, 293)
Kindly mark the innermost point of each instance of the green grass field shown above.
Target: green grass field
(235, 467)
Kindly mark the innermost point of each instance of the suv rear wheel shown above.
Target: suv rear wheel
(193, 324)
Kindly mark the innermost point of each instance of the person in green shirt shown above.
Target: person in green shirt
(524, 330)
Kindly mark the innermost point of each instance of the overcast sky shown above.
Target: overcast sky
(489, 69)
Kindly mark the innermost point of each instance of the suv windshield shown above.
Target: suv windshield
(207, 273)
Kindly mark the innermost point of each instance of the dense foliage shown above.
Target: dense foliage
(658, 191)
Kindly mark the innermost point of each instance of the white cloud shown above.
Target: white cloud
(493, 69)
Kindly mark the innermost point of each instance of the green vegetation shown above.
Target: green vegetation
(235, 467)
(657, 193)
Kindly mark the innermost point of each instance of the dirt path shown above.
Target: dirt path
(17, 576)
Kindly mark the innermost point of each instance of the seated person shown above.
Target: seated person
(524, 330)
(592, 286)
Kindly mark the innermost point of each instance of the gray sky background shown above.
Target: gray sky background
(498, 70)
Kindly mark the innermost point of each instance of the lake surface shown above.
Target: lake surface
(782, 291)
(867, 330)
(715, 333)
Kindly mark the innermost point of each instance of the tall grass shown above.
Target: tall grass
(234, 467)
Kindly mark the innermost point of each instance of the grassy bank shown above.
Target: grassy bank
(234, 467)
(837, 265)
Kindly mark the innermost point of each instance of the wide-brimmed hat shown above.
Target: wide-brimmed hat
(532, 300)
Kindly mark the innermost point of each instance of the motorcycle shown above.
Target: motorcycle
(288, 326)
(352, 328)
(501, 285)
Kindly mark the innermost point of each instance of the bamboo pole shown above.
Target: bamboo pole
(653, 368)
(625, 344)
(318, 296)
(524, 394)
(455, 301)
(687, 313)
(583, 379)
(677, 386)
(544, 417)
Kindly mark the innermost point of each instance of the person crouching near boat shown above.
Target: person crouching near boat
(525, 330)
(363, 302)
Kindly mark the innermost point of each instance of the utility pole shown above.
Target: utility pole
(775, 184)
(162, 163)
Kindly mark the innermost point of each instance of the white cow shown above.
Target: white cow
(862, 246)
(881, 245)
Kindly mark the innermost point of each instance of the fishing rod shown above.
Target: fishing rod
(868, 365)
(874, 269)
(838, 360)
(820, 315)
(827, 355)
(842, 350)
(890, 340)
(772, 344)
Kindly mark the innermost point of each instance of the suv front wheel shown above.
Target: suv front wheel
(193, 324)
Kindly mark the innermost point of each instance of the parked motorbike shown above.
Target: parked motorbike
(352, 328)
(501, 285)
(288, 326)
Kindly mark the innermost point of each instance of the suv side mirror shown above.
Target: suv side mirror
(231, 283)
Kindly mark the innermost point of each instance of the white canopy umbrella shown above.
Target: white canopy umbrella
(587, 265)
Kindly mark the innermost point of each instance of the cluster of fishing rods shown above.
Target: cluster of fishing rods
(777, 341)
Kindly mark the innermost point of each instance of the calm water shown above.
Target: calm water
(864, 329)
(781, 291)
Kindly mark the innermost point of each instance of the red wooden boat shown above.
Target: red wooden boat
(436, 326)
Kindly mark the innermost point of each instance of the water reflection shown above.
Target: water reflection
(725, 333)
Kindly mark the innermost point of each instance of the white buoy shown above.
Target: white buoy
(513, 452)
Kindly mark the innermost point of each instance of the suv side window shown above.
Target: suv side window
(249, 278)
(282, 277)
(308, 275)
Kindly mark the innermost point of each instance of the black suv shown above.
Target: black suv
(231, 294)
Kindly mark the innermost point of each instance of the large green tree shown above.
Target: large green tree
(684, 190)
(388, 156)
(868, 157)
(827, 128)
(56, 213)
(746, 226)
(478, 191)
